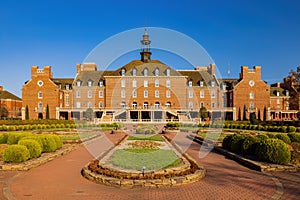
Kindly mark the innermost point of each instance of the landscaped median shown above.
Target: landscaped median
(143, 162)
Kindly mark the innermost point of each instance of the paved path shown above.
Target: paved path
(225, 179)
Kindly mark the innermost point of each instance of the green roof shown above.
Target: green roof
(7, 95)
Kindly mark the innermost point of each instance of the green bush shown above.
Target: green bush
(270, 135)
(284, 137)
(262, 136)
(283, 129)
(33, 137)
(11, 128)
(14, 137)
(274, 151)
(58, 141)
(249, 144)
(3, 138)
(291, 129)
(1, 128)
(227, 141)
(260, 128)
(48, 143)
(294, 137)
(298, 130)
(236, 142)
(16, 153)
(35, 149)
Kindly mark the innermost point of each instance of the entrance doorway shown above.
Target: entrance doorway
(40, 116)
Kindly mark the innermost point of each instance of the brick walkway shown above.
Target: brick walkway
(225, 179)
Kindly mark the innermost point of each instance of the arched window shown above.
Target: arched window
(134, 72)
(168, 72)
(134, 105)
(123, 104)
(123, 72)
(168, 104)
(146, 104)
(145, 72)
(157, 104)
(156, 72)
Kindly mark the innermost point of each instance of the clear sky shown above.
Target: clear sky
(61, 33)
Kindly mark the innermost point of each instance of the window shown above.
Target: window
(145, 83)
(145, 104)
(223, 86)
(201, 84)
(278, 101)
(100, 94)
(190, 104)
(134, 93)
(134, 105)
(156, 104)
(40, 105)
(123, 72)
(123, 84)
(100, 104)
(157, 93)
(78, 105)
(251, 105)
(145, 93)
(123, 104)
(101, 83)
(156, 72)
(146, 72)
(78, 94)
(277, 93)
(78, 83)
(168, 104)
(191, 93)
(90, 104)
(90, 94)
(251, 95)
(213, 104)
(168, 94)
(134, 72)
(67, 100)
(168, 72)
(67, 87)
(168, 83)
(212, 83)
(40, 95)
(190, 83)
(287, 93)
(213, 94)
(89, 83)
(201, 94)
(156, 83)
(134, 83)
(230, 96)
(123, 93)
(201, 105)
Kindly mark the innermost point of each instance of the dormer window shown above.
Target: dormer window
(212, 83)
(67, 87)
(134, 72)
(287, 93)
(78, 83)
(90, 83)
(101, 83)
(156, 72)
(224, 86)
(123, 72)
(145, 72)
(190, 83)
(168, 72)
(201, 83)
(277, 93)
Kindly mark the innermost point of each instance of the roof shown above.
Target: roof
(63, 82)
(274, 90)
(196, 76)
(7, 95)
(230, 82)
(86, 76)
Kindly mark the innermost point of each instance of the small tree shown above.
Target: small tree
(258, 115)
(47, 112)
(265, 114)
(3, 112)
(89, 114)
(245, 114)
(239, 115)
(26, 113)
(253, 118)
(203, 113)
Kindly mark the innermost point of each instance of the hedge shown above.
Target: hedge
(294, 137)
(16, 153)
(249, 144)
(14, 137)
(35, 149)
(274, 151)
(33, 137)
(48, 143)
(284, 137)
(3, 138)
(58, 141)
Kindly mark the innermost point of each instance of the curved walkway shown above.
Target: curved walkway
(225, 179)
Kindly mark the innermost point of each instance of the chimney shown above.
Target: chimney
(211, 69)
(278, 84)
(78, 68)
(1, 88)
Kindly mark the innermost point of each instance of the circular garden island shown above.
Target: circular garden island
(144, 161)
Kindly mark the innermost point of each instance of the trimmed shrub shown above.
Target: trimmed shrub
(236, 142)
(270, 135)
(291, 129)
(11, 128)
(274, 151)
(3, 138)
(1, 128)
(249, 144)
(284, 137)
(35, 149)
(33, 137)
(298, 130)
(283, 129)
(262, 136)
(48, 143)
(294, 137)
(227, 141)
(58, 141)
(16, 153)
(260, 127)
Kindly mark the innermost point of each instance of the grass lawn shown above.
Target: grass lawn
(75, 136)
(213, 136)
(150, 158)
(153, 138)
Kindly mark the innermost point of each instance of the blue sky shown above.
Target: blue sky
(62, 33)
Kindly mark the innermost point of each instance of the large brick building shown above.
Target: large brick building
(149, 90)
(10, 105)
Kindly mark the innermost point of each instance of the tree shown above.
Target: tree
(3, 112)
(265, 114)
(245, 114)
(203, 113)
(253, 118)
(239, 115)
(47, 112)
(89, 114)
(258, 115)
(26, 113)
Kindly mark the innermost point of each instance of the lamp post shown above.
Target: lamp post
(143, 170)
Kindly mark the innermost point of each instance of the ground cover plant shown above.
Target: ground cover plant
(152, 138)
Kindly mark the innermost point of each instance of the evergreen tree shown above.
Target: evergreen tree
(239, 115)
(258, 115)
(47, 112)
(203, 113)
(26, 113)
(265, 114)
(245, 114)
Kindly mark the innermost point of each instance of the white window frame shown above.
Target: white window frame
(168, 94)
(100, 104)
(201, 84)
(89, 83)
(123, 93)
(168, 72)
(145, 83)
(278, 101)
(213, 94)
(78, 105)
(251, 95)
(123, 71)
(156, 72)
(123, 83)
(156, 93)
(191, 93)
(134, 93)
(190, 84)
(146, 94)
(213, 83)
(101, 94)
(90, 104)
(145, 72)
(78, 94)
(201, 104)
(191, 104)
(168, 83)
(156, 83)
(40, 95)
(202, 94)
(90, 94)
(40, 105)
(213, 104)
(133, 83)
(134, 72)
(101, 83)
(67, 87)
(78, 84)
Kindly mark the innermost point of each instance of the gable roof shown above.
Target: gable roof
(7, 95)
